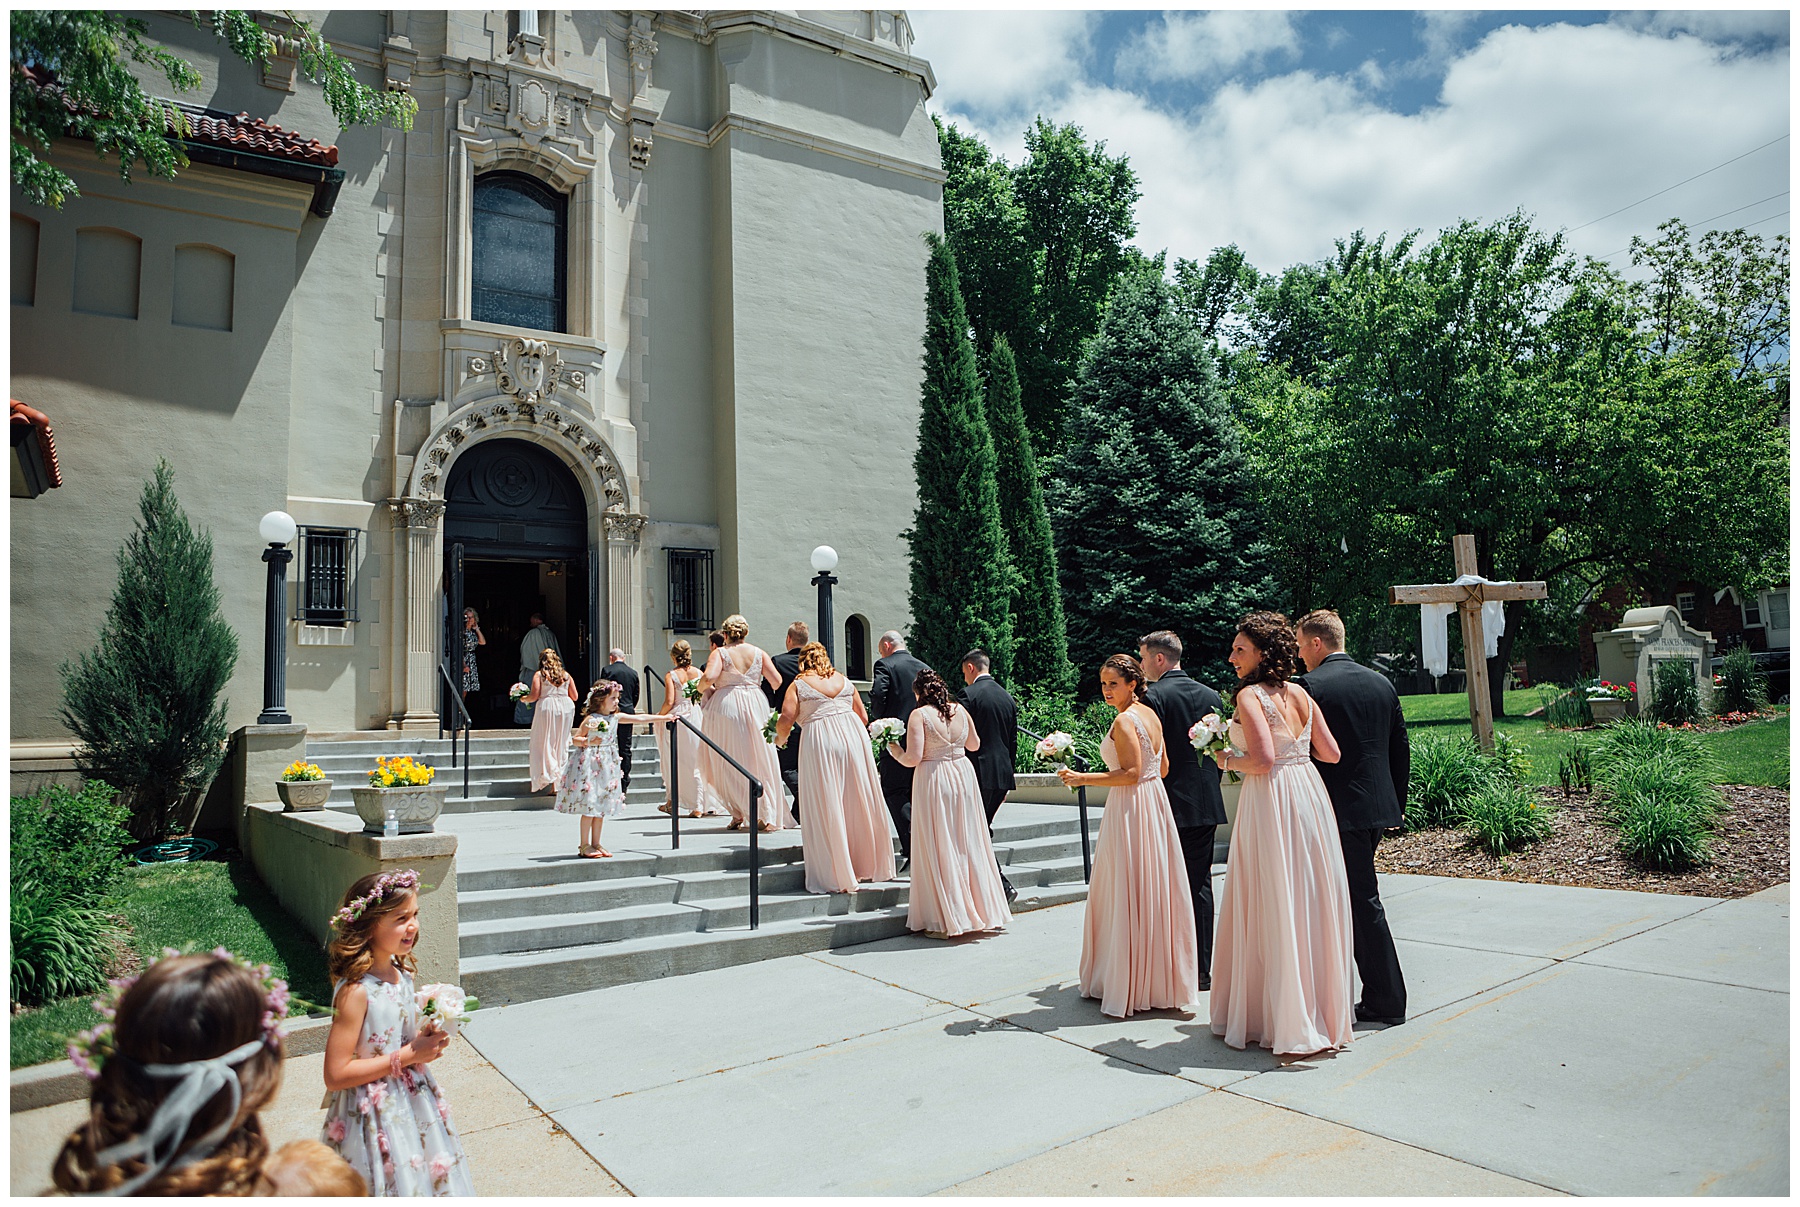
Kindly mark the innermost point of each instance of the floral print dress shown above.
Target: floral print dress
(396, 1131)
(593, 782)
(471, 678)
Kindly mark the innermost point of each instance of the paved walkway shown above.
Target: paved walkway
(1562, 1040)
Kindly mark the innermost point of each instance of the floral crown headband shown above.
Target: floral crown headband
(386, 883)
(604, 687)
(90, 1050)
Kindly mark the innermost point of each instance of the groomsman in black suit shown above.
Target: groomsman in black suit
(996, 719)
(891, 695)
(1368, 792)
(621, 673)
(1178, 699)
(787, 664)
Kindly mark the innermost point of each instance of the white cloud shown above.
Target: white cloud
(1185, 45)
(1711, 24)
(1003, 63)
(1565, 122)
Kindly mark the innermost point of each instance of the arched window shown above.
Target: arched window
(521, 252)
(856, 648)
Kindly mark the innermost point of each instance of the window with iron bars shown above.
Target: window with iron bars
(328, 576)
(690, 590)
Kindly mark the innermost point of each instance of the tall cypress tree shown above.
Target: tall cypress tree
(1041, 649)
(145, 700)
(1152, 499)
(961, 575)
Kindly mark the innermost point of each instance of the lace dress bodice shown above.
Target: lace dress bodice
(815, 705)
(944, 740)
(731, 676)
(1290, 750)
(1150, 763)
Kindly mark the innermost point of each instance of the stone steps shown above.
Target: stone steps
(499, 773)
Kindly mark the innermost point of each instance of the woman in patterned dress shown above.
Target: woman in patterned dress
(472, 637)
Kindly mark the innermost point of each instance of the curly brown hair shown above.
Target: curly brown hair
(1126, 667)
(930, 690)
(735, 628)
(351, 952)
(183, 1008)
(815, 661)
(551, 665)
(1273, 636)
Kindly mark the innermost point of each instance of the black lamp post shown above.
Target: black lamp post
(278, 528)
(824, 560)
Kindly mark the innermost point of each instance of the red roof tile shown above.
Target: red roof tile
(24, 416)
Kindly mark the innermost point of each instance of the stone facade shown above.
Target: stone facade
(745, 198)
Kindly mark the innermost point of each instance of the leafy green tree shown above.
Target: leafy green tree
(1041, 652)
(144, 702)
(91, 92)
(987, 230)
(1152, 498)
(1217, 294)
(962, 578)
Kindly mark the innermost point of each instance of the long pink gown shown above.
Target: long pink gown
(734, 719)
(1139, 950)
(1282, 970)
(552, 720)
(695, 794)
(955, 882)
(842, 814)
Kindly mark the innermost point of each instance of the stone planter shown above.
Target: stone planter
(303, 796)
(1608, 708)
(418, 807)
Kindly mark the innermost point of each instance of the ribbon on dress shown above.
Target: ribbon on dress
(1434, 635)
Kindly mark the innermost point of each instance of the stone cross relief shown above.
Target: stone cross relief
(528, 370)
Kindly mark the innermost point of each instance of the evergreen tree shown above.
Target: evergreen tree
(1152, 498)
(961, 574)
(1041, 649)
(145, 701)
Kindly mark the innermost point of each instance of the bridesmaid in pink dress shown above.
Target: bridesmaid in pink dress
(1282, 970)
(956, 885)
(553, 694)
(734, 715)
(1138, 946)
(694, 792)
(842, 813)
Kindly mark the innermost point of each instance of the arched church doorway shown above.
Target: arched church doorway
(516, 543)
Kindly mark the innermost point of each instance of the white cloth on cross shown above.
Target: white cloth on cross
(1434, 634)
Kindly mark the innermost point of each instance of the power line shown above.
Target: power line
(1784, 213)
(1678, 184)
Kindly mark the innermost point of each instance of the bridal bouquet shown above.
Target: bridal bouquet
(769, 727)
(884, 733)
(1055, 747)
(517, 692)
(690, 691)
(444, 1005)
(1211, 735)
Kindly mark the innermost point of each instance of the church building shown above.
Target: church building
(624, 326)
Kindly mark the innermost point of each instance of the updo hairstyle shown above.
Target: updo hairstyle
(735, 628)
(930, 689)
(681, 654)
(815, 661)
(1126, 667)
(1273, 636)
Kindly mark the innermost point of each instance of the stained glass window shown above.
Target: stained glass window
(521, 252)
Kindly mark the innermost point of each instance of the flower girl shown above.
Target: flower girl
(592, 785)
(384, 1112)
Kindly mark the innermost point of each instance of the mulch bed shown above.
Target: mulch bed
(1749, 850)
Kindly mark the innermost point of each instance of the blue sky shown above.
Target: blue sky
(1283, 130)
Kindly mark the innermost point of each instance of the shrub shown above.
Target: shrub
(1664, 803)
(1509, 761)
(1676, 697)
(1740, 685)
(1446, 772)
(1044, 711)
(70, 845)
(1669, 778)
(1574, 769)
(1633, 740)
(59, 946)
(1660, 835)
(1502, 817)
(1567, 709)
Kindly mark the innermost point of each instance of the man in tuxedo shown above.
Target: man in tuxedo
(787, 664)
(1178, 699)
(891, 695)
(1368, 793)
(996, 719)
(627, 679)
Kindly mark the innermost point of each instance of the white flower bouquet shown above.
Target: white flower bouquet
(517, 692)
(444, 1006)
(884, 733)
(1211, 735)
(1055, 747)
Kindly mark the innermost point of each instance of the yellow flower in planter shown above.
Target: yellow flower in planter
(400, 772)
(301, 771)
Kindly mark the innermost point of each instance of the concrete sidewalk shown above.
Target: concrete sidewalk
(1562, 1040)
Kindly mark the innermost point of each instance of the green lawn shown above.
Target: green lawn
(1455, 707)
(192, 906)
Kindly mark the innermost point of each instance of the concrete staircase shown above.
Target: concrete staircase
(536, 921)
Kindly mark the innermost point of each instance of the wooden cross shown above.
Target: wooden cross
(1468, 600)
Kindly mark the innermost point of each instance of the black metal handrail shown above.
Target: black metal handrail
(650, 676)
(468, 723)
(756, 790)
(1081, 764)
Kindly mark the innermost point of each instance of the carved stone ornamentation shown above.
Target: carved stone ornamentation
(479, 365)
(577, 379)
(569, 431)
(621, 526)
(641, 144)
(640, 47)
(533, 105)
(416, 512)
(529, 369)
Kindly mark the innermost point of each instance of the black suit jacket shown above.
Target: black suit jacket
(1368, 784)
(996, 720)
(627, 679)
(787, 665)
(1179, 700)
(891, 695)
